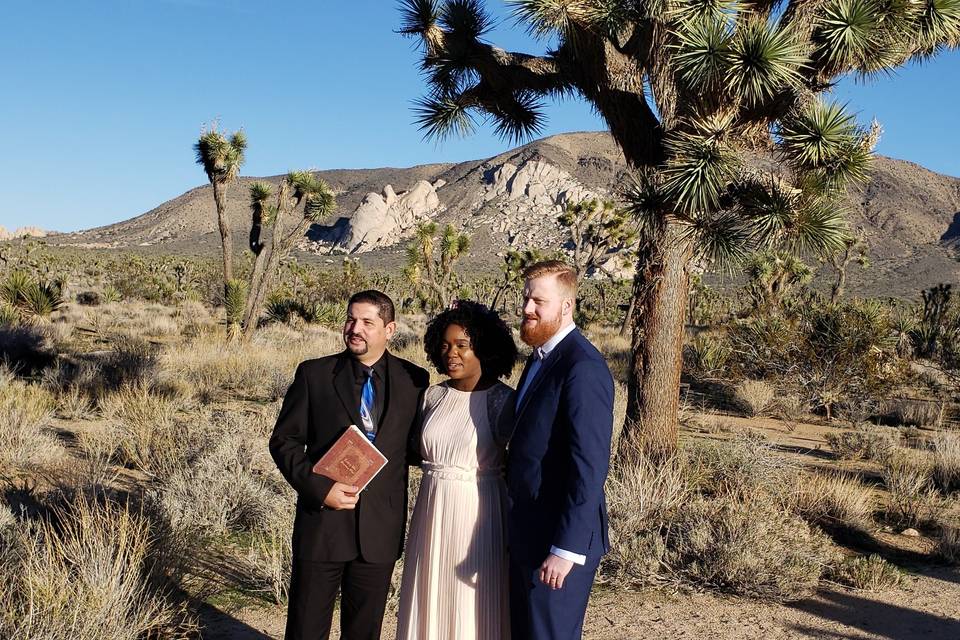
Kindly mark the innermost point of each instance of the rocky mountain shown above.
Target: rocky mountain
(910, 216)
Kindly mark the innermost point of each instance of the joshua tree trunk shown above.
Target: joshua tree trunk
(661, 289)
(628, 318)
(220, 198)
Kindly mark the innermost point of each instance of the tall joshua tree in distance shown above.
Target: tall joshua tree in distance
(690, 90)
(221, 158)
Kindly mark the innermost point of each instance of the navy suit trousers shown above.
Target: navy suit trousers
(539, 612)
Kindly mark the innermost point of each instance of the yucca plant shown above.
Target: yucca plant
(30, 297)
(234, 299)
(221, 158)
(688, 88)
(302, 199)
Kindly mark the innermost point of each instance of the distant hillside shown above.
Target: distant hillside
(910, 215)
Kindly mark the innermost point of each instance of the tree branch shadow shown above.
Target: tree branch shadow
(880, 619)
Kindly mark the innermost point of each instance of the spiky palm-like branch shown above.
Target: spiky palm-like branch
(687, 88)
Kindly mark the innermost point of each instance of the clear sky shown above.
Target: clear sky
(103, 99)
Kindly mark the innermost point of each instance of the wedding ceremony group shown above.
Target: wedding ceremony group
(480, 320)
(510, 521)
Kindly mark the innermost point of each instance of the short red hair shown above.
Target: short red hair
(566, 275)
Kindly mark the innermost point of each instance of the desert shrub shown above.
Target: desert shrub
(270, 559)
(706, 354)
(717, 517)
(256, 370)
(31, 296)
(833, 501)
(25, 442)
(89, 298)
(748, 547)
(73, 404)
(742, 466)
(641, 497)
(921, 413)
(948, 543)
(133, 362)
(753, 397)
(913, 500)
(871, 573)
(85, 573)
(865, 442)
(838, 352)
(111, 294)
(946, 461)
(214, 488)
(26, 348)
(148, 435)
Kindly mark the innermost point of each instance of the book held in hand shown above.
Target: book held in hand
(351, 460)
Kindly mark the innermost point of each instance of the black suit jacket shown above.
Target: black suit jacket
(320, 404)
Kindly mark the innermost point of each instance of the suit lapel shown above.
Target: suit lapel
(344, 384)
(545, 367)
(393, 388)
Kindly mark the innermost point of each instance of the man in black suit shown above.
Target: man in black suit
(345, 542)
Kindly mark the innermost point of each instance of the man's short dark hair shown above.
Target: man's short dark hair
(490, 338)
(377, 298)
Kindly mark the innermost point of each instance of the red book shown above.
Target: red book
(351, 460)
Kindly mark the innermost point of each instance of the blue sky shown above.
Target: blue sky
(103, 99)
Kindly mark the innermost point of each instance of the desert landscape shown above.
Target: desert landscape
(772, 295)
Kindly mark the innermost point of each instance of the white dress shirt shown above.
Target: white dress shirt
(540, 353)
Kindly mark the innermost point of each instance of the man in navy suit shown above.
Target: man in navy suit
(559, 454)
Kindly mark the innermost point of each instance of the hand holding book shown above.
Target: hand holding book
(352, 462)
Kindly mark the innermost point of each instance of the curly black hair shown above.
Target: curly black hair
(489, 336)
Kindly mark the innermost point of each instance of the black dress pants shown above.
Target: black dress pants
(313, 594)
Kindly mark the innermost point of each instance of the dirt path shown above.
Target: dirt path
(926, 606)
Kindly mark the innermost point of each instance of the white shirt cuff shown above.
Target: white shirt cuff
(575, 558)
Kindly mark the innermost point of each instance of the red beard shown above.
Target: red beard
(538, 334)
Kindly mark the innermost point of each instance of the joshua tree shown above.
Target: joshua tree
(688, 90)
(597, 230)
(772, 276)
(302, 199)
(854, 249)
(514, 264)
(221, 158)
(433, 275)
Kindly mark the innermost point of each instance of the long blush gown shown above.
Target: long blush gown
(454, 584)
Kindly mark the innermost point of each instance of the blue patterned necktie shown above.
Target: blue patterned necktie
(366, 407)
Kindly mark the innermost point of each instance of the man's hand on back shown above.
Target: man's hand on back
(341, 496)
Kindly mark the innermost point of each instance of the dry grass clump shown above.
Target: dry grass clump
(85, 573)
(25, 442)
(262, 369)
(753, 397)
(946, 461)
(872, 573)
(948, 543)
(216, 490)
(913, 500)
(833, 501)
(748, 547)
(866, 442)
(715, 516)
(920, 413)
(148, 434)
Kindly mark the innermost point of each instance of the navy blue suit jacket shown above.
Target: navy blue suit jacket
(559, 454)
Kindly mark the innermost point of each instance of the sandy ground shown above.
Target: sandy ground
(927, 605)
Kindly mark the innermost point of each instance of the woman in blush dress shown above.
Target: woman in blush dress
(455, 576)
